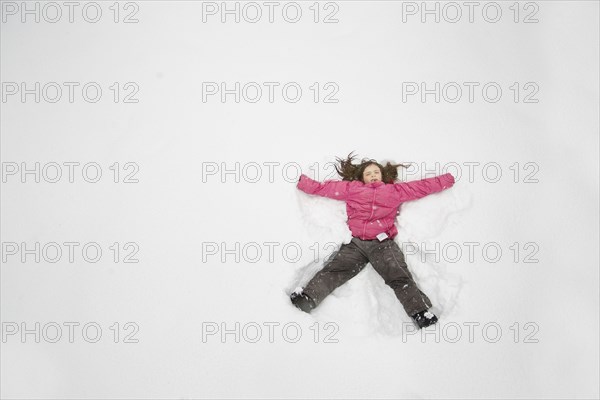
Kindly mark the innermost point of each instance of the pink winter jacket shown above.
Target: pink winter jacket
(372, 207)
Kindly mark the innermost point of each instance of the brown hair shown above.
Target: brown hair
(354, 172)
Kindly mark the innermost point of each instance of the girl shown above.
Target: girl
(372, 198)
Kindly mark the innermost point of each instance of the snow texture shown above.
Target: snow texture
(224, 237)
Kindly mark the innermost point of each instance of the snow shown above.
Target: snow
(223, 236)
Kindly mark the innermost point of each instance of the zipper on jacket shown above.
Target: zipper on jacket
(372, 211)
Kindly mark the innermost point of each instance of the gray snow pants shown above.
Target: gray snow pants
(385, 257)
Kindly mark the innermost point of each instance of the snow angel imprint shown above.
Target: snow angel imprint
(373, 197)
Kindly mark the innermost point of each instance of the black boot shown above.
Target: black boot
(302, 301)
(424, 319)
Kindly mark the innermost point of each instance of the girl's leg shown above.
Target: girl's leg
(388, 260)
(345, 264)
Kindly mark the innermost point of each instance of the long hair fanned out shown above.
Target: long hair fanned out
(349, 171)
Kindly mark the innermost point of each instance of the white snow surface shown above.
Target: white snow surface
(208, 302)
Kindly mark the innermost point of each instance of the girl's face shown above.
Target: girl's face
(371, 174)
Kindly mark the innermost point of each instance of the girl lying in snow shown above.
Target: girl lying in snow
(372, 198)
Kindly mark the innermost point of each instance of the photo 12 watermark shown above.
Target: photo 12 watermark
(472, 332)
(471, 12)
(470, 92)
(69, 172)
(71, 252)
(253, 12)
(69, 332)
(54, 12)
(473, 171)
(89, 92)
(268, 332)
(490, 252)
(270, 92)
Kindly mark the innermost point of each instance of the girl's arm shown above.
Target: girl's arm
(332, 189)
(417, 189)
